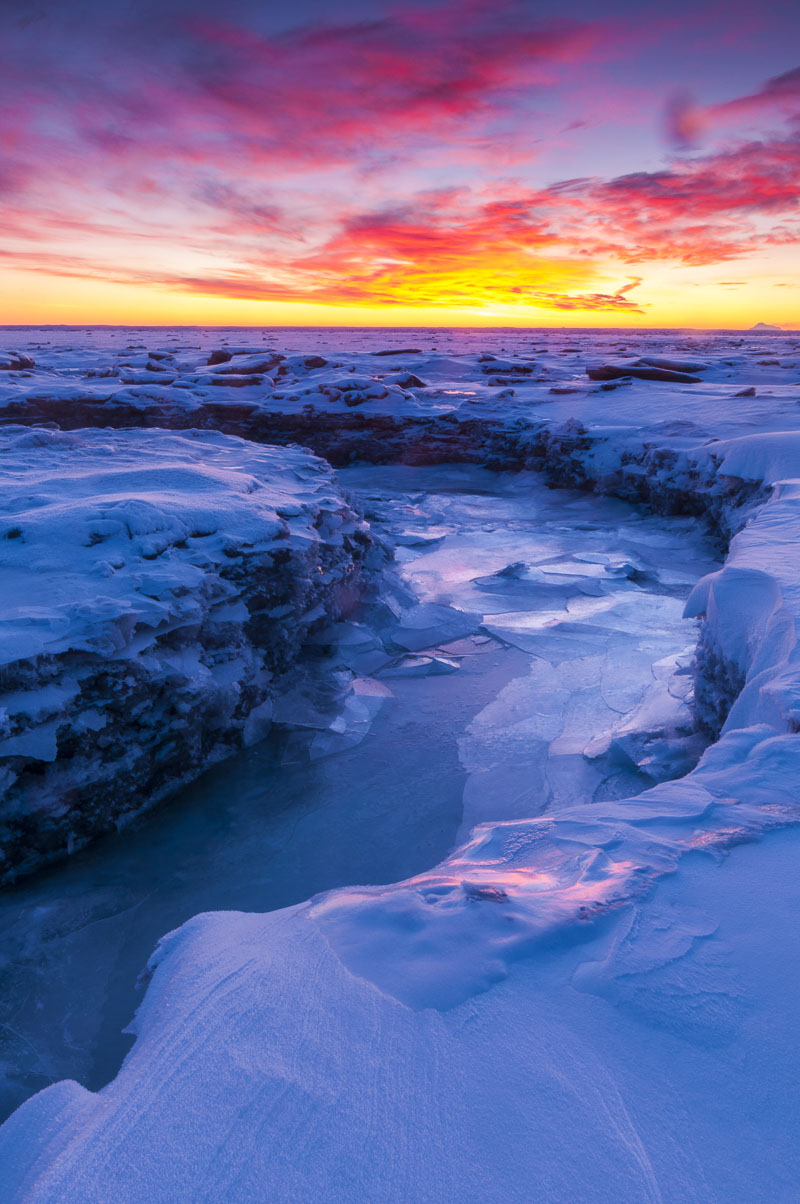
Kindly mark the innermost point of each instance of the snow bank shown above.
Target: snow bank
(349, 1049)
(156, 588)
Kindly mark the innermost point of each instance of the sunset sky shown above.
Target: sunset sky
(438, 162)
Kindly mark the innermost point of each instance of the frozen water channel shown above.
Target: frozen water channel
(547, 663)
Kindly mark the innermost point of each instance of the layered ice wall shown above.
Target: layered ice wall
(156, 590)
(748, 659)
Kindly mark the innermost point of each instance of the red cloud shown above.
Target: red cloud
(591, 301)
(443, 251)
(448, 250)
(698, 211)
(451, 248)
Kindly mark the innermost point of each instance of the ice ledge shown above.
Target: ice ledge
(156, 589)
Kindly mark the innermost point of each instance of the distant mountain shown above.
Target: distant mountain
(764, 328)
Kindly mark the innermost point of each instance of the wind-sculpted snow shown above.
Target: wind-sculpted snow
(437, 940)
(592, 995)
(156, 589)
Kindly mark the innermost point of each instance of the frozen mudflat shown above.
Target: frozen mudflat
(574, 970)
(413, 389)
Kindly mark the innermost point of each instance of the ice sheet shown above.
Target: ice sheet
(596, 993)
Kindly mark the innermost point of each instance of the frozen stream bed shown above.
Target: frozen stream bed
(564, 679)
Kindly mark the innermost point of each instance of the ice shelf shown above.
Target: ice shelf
(157, 589)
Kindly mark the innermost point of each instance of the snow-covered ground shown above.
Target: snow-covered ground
(572, 404)
(156, 589)
(593, 997)
(426, 395)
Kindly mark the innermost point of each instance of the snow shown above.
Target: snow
(349, 384)
(769, 457)
(155, 588)
(606, 1070)
(593, 995)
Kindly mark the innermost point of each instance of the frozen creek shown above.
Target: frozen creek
(563, 679)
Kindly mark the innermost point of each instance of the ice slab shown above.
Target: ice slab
(157, 587)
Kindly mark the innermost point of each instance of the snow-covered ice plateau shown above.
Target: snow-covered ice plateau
(593, 995)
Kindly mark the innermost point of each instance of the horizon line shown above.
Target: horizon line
(337, 326)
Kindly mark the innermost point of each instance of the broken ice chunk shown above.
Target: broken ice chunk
(657, 736)
(432, 623)
(365, 698)
(510, 576)
(419, 539)
(421, 666)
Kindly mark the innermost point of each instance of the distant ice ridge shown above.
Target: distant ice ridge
(156, 589)
(438, 396)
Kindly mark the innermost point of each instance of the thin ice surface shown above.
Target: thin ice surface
(593, 593)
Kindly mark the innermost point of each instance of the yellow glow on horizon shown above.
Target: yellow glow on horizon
(671, 297)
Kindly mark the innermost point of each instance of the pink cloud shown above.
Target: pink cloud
(216, 91)
(779, 96)
(687, 122)
(697, 211)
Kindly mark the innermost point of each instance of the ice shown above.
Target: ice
(597, 984)
(430, 623)
(530, 520)
(349, 405)
(413, 666)
(144, 623)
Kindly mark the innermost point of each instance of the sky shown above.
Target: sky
(438, 162)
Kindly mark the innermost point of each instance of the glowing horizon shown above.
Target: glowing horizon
(411, 164)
